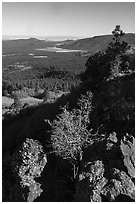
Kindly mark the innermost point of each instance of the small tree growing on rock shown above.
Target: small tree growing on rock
(70, 134)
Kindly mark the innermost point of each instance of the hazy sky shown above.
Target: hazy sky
(70, 19)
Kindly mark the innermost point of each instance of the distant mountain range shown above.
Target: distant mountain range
(96, 43)
(91, 45)
(48, 38)
(25, 45)
(33, 42)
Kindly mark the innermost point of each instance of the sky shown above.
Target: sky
(78, 19)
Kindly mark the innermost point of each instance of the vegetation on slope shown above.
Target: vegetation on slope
(106, 170)
(97, 43)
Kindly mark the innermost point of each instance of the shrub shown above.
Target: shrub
(98, 68)
(71, 134)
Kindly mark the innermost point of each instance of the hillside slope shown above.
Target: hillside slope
(105, 156)
(24, 45)
(97, 43)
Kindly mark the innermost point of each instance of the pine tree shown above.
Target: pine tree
(118, 33)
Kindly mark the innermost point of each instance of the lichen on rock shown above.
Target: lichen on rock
(20, 171)
(94, 177)
(104, 176)
(121, 184)
(33, 162)
(128, 150)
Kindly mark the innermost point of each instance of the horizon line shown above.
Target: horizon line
(66, 37)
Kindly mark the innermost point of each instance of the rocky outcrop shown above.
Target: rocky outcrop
(127, 147)
(107, 172)
(21, 170)
(93, 180)
(119, 186)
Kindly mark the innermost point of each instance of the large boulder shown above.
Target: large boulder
(20, 171)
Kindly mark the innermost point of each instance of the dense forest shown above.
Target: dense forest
(80, 147)
(56, 69)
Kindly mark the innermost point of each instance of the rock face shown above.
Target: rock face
(27, 176)
(25, 165)
(108, 174)
(121, 184)
(128, 151)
